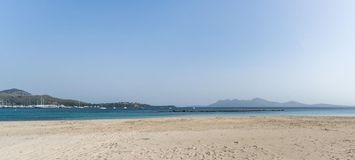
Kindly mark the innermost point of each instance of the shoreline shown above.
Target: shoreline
(253, 137)
(7, 115)
(184, 117)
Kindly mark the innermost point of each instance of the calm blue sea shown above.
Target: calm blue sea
(7, 114)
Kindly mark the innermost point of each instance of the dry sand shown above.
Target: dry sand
(186, 138)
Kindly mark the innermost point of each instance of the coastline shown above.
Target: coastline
(253, 137)
(92, 114)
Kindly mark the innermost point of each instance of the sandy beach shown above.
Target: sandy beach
(265, 138)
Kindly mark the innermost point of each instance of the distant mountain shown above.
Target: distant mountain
(17, 97)
(258, 102)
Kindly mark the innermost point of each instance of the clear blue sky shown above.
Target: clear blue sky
(180, 52)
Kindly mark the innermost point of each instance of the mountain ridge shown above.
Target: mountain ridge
(259, 102)
(15, 91)
(17, 97)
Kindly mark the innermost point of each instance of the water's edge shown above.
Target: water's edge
(37, 114)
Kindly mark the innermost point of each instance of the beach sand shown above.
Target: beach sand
(263, 138)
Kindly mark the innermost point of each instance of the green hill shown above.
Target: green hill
(20, 97)
(16, 97)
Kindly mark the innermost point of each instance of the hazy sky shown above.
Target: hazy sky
(180, 52)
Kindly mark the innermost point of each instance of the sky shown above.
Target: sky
(180, 52)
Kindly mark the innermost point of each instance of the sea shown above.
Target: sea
(36, 114)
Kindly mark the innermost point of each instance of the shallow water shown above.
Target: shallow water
(11, 114)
